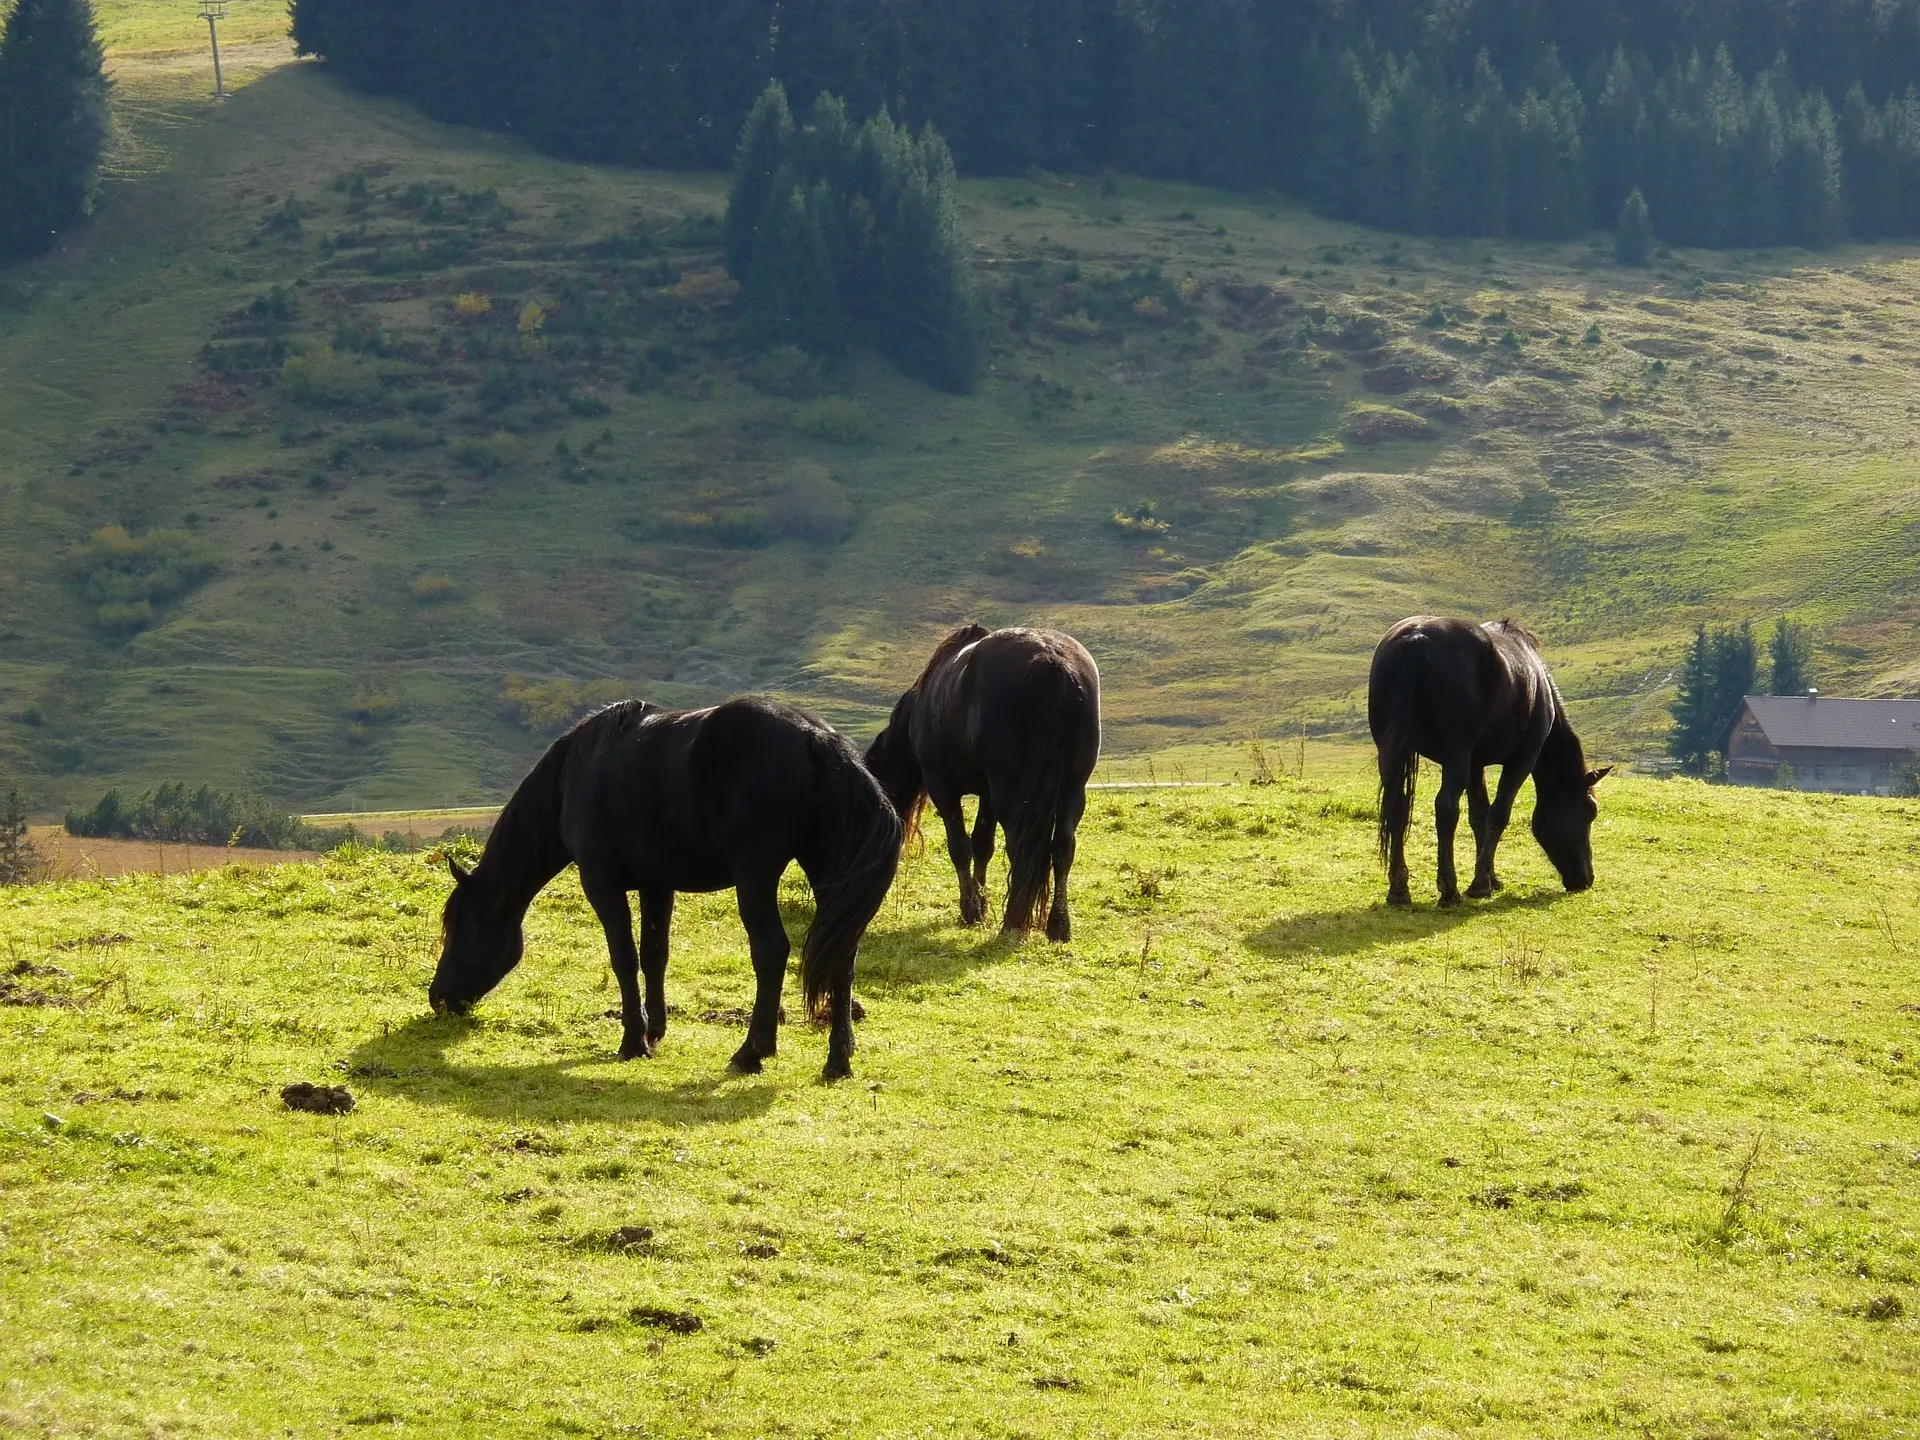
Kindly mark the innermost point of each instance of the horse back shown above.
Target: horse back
(1461, 691)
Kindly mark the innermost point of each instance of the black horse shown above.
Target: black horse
(660, 801)
(1469, 696)
(1012, 716)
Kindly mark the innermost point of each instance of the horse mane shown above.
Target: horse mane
(1507, 625)
(955, 642)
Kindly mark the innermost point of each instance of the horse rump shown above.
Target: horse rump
(1393, 705)
(1040, 810)
(858, 838)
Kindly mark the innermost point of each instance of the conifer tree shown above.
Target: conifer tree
(19, 861)
(1790, 658)
(926, 308)
(1633, 235)
(763, 148)
(1692, 709)
(1736, 673)
(53, 122)
(793, 294)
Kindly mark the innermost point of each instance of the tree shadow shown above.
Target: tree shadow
(1361, 927)
(411, 1061)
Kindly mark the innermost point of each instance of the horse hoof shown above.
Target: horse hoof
(638, 1049)
(1498, 883)
(1480, 890)
(1449, 900)
(1400, 899)
(839, 1067)
(745, 1062)
(1060, 931)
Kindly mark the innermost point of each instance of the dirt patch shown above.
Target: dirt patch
(675, 1322)
(72, 857)
(1376, 425)
(314, 1099)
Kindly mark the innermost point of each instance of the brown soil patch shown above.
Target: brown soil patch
(69, 857)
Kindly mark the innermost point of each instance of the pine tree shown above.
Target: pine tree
(927, 312)
(1790, 658)
(764, 147)
(1692, 709)
(19, 861)
(1736, 673)
(53, 122)
(1812, 203)
(1633, 235)
(793, 294)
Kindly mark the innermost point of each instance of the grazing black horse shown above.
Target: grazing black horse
(1469, 696)
(1012, 716)
(660, 801)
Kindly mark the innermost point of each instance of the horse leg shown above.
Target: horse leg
(1485, 882)
(1395, 816)
(1498, 814)
(1446, 820)
(759, 903)
(1059, 922)
(609, 902)
(973, 899)
(656, 916)
(983, 828)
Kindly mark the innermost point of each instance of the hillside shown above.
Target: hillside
(1254, 1155)
(1224, 441)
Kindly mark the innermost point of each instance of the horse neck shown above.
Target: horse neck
(1562, 766)
(900, 775)
(525, 850)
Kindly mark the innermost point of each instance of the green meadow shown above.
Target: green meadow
(1253, 1156)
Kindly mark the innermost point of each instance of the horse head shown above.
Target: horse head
(478, 946)
(1563, 816)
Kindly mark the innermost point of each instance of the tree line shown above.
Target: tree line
(1741, 122)
(1722, 668)
(53, 122)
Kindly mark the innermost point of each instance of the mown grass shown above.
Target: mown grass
(1252, 1156)
(1723, 436)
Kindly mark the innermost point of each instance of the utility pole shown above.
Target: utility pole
(213, 12)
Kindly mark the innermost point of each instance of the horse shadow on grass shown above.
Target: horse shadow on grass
(410, 1061)
(1362, 927)
(930, 952)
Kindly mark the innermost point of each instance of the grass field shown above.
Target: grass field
(1253, 1156)
(1223, 440)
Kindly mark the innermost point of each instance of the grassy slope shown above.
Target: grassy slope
(1732, 442)
(1253, 1155)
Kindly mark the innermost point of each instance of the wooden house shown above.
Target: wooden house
(1811, 742)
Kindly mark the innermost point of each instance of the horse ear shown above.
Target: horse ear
(1594, 777)
(460, 873)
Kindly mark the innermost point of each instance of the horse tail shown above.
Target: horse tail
(1399, 678)
(858, 838)
(1040, 811)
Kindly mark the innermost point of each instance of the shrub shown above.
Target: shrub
(843, 422)
(431, 589)
(325, 377)
(813, 506)
(125, 576)
(546, 706)
(470, 305)
(198, 817)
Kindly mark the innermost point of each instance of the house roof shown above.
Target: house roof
(1819, 723)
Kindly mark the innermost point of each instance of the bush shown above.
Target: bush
(431, 589)
(196, 817)
(545, 707)
(325, 377)
(789, 371)
(126, 576)
(843, 422)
